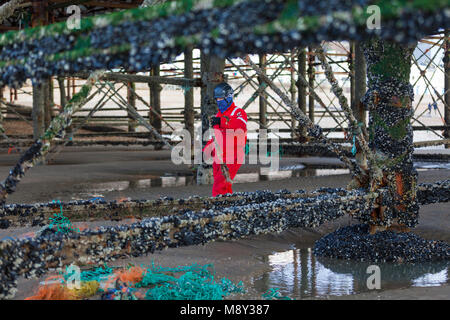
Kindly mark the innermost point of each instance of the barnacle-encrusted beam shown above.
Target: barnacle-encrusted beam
(222, 28)
(21, 215)
(38, 214)
(255, 213)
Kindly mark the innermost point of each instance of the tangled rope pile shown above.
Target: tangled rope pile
(193, 282)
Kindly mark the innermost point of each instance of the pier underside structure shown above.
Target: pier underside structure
(125, 48)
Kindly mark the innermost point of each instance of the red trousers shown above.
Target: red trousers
(220, 185)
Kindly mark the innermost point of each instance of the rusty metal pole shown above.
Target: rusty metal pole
(39, 18)
(156, 100)
(447, 85)
(189, 112)
(359, 90)
(38, 113)
(62, 92)
(69, 96)
(360, 84)
(155, 103)
(293, 91)
(301, 89)
(262, 105)
(131, 99)
(311, 76)
(48, 102)
(351, 71)
(63, 102)
(262, 97)
(2, 91)
(49, 94)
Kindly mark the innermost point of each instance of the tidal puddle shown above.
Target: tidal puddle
(94, 189)
(299, 274)
(432, 165)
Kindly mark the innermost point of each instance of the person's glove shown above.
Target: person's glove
(215, 121)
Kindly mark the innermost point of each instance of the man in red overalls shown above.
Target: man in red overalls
(230, 130)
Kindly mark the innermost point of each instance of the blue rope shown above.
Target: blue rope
(354, 146)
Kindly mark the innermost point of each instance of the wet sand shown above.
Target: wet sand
(237, 260)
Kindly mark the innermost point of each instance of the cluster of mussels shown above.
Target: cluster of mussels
(437, 192)
(139, 44)
(228, 31)
(429, 193)
(356, 243)
(8, 186)
(38, 214)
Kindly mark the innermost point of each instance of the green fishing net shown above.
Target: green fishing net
(95, 274)
(274, 294)
(195, 283)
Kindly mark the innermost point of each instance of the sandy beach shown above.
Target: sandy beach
(115, 173)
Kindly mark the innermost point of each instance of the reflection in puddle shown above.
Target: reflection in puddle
(432, 165)
(87, 190)
(299, 274)
(182, 180)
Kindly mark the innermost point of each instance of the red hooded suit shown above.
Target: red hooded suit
(233, 130)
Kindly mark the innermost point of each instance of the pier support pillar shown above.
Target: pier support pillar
(389, 99)
(212, 74)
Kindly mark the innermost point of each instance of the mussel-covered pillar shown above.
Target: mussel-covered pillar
(389, 101)
(212, 74)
